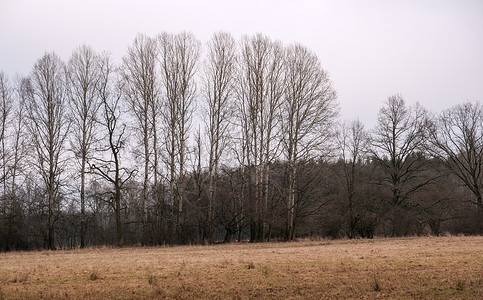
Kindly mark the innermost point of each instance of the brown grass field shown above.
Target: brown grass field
(401, 268)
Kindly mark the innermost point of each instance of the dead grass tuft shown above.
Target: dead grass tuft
(158, 291)
(152, 279)
(94, 275)
(19, 278)
(460, 285)
(376, 286)
(225, 264)
(265, 271)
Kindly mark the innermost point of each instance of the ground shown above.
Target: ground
(401, 268)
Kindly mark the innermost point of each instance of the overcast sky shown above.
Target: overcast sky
(430, 52)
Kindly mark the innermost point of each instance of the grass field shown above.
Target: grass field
(405, 268)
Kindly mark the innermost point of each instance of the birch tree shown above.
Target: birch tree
(260, 89)
(309, 109)
(219, 75)
(140, 75)
(48, 126)
(179, 55)
(83, 74)
(6, 104)
(16, 164)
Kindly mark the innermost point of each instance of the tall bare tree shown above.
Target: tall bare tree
(398, 142)
(271, 129)
(6, 104)
(219, 72)
(456, 138)
(309, 108)
(16, 160)
(83, 73)
(107, 164)
(48, 126)
(354, 144)
(140, 75)
(259, 93)
(179, 55)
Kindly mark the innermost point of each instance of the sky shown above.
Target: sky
(428, 51)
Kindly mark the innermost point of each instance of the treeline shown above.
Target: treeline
(233, 140)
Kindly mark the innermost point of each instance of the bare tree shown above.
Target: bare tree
(259, 93)
(141, 89)
(199, 179)
(309, 109)
(270, 122)
(219, 75)
(108, 164)
(353, 143)
(456, 138)
(48, 126)
(6, 104)
(397, 147)
(179, 58)
(83, 73)
(16, 159)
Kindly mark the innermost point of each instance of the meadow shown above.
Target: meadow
(400, 268)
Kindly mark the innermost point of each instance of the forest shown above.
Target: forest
(233, 140)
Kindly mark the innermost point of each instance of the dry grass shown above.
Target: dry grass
(409, 268)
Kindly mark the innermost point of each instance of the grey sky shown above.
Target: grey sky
(430, 52)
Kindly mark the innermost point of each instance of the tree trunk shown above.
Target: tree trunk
(146, 174)
(83, 209)
(119, 225)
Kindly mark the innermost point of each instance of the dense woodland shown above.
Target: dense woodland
(183, 142)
